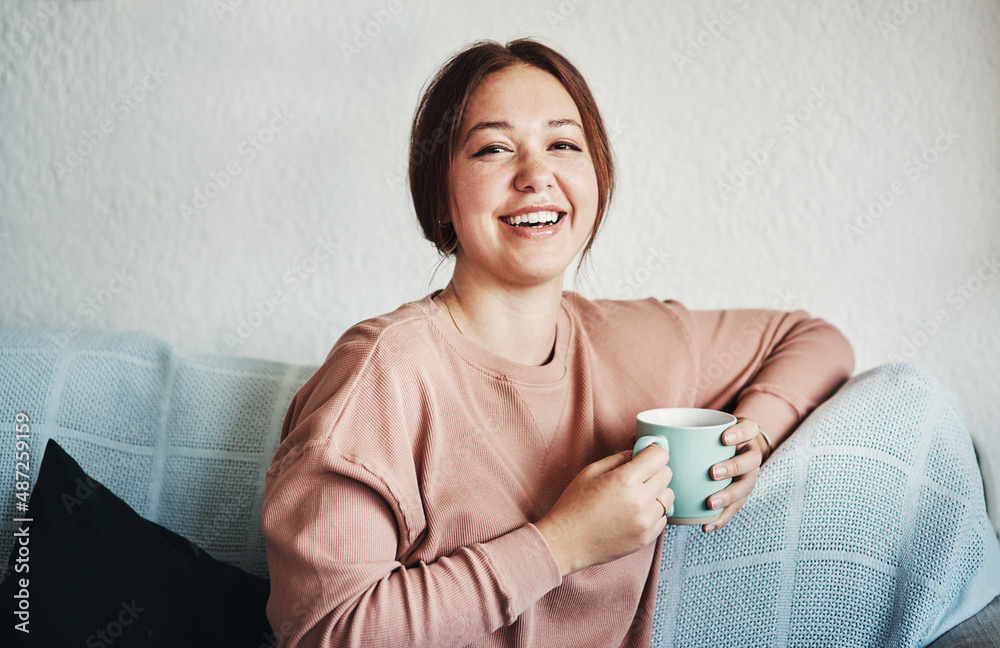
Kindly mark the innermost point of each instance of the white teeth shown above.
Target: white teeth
(533, 217)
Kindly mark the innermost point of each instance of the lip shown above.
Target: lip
(535, 233)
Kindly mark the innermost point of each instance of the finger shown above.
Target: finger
(743, 463)
(659, 480)
(740, 432)
(733, 503)
(659, 525)
(723, 519)
(647, 462)
(609, 463)
(662, 503)
(667, 497)
(727, 514)
(735, 493)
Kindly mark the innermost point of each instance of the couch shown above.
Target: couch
(181, 442)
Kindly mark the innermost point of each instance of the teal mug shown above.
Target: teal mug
(693, 437)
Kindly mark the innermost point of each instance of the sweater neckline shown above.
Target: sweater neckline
(552, 371)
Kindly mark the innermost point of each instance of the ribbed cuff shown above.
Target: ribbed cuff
(771, 413)
(525, 567)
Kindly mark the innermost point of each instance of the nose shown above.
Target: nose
(533, 173)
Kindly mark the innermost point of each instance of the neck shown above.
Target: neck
(517, 323)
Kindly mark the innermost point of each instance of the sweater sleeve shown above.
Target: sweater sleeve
(336, 579)
(342, 515)
(773, 367)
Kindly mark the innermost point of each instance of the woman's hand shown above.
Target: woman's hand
(743, 468)
(609, 510)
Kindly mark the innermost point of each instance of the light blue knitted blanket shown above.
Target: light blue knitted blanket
(185, 440)
(866, 528)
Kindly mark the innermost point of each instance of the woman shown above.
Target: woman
(458, 471)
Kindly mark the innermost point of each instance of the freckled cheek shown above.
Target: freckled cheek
(480, 190)
(464, 191)
(476, 196)
(581, 186)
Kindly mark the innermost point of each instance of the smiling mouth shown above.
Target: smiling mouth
(534, 219)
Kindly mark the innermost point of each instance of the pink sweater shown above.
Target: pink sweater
(398, 508)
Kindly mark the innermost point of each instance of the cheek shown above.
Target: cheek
(474, 190)
(584, 187)
(471, 198)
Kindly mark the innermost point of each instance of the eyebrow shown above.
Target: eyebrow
(506, 126)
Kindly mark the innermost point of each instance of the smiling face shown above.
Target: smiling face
(524, 191)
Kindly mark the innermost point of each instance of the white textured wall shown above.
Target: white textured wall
(114, 113)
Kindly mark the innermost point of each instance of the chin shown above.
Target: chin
(540, 277)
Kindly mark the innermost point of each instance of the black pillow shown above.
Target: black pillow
(99, 576)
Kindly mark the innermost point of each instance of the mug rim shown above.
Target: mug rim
(720, 418)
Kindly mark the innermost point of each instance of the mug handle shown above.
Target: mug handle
(647, 441)
(644, 443)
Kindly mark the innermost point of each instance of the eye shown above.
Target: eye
(565, 146)
(493, 148)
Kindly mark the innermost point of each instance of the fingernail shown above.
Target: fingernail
(715, 502)
(720, 472)
(729, 438)
(710, 527)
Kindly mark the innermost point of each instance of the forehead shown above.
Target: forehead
(521, 93)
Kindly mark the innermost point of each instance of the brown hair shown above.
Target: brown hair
(434, 137)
